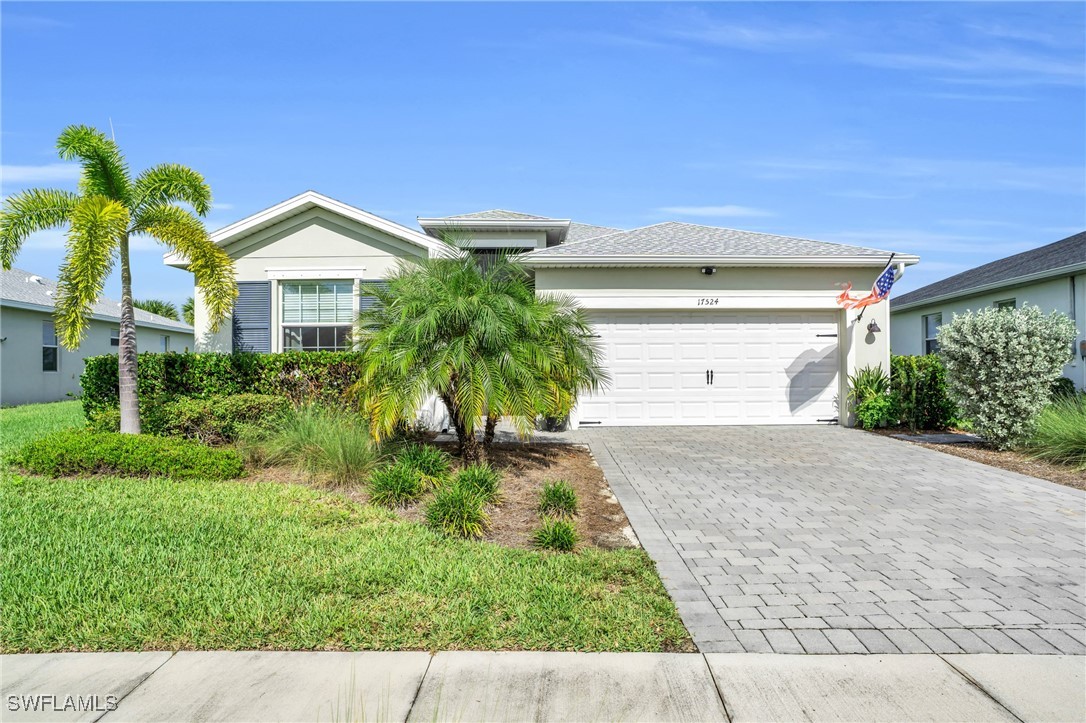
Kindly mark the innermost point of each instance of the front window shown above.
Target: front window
(114, 337)
(932, 322)
(1006, 305)
(49, 351)
(165, 343)
(317, 315)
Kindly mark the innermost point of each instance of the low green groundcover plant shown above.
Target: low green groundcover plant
(481, 480)
(1060, 434)
(80, 452)
(558, 499)
(457, 511)
(428, 461)
(395, 484)
(555, 534)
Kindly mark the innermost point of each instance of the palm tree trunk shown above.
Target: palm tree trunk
(127, 356)
(488, 433)
(467, 442)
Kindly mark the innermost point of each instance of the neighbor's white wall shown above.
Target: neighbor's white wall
(737, 288)
(22, 380)
(311, 240)
(1050, 295)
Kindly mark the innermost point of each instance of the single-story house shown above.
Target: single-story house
(34, 367)
(1052, 277)
(698, 325)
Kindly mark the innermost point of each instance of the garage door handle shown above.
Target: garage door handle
(706, 377)
(711, 375)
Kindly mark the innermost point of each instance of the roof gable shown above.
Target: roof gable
(1054, 258)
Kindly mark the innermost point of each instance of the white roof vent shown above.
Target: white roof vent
(35, 280)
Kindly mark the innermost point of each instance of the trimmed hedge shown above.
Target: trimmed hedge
(919, 386)
(298, 376)
(212, 420)
(79, 452)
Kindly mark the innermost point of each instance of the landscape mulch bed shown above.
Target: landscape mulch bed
(1008, 460)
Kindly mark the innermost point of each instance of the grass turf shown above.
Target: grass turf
(124, 564)
(22, 424)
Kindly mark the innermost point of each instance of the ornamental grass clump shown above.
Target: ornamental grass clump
(481, 479)
(558, 499)
(456, 511)
(394, 485)
(430, 462)
(1060, 434)
(555, 534)
(1000, 366)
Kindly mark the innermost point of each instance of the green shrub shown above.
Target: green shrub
(80, 452)
(1063, 387)
(481, 480)
(315, 439)
(918, 384)
(555, 534)
(1000, 367)
(217, 419)
(299, 376)
(428, 461)
(105, 420)
(395, 484)
(1060, 434)
(558, 499)
(869, 394)
(458, 512)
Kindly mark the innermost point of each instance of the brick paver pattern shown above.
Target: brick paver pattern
(827, 540)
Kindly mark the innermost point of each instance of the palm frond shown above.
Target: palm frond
(172, 183)
(97, 225)
(212, 268)
(188, 311)
(36, 209)
(157, 306)
(105, 172)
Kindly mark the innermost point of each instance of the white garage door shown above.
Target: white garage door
(715, 367)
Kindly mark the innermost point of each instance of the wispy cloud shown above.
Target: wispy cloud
(38, 174)
(727, 211)
(222, 206)
(981, 97)
(872, 195)
(18, 21)
(997, 66)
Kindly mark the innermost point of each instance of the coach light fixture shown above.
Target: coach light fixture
(873, 327)
(708, 270)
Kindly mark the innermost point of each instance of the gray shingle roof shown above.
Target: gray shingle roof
(687, 239)
(498, 214)
(27, 288)
(584, 231)
(1067, 252)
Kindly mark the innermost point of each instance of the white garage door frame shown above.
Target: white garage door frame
(787, 329)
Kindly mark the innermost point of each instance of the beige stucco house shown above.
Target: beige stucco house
(698, 325)
(35, 368)
(1052, 277)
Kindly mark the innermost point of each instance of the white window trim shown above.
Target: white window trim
(1002, 303)
(355, 276)
(924, 329)
(316, 273)
(55, 346)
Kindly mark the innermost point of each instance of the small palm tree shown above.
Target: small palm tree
(108, 209)
(188, 311)
(157, 306)
(479, 339)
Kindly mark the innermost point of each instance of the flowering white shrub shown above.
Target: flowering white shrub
(1000, 366)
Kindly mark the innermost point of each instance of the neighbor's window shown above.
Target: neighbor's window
(114, 337)
(165, 343)
(317, 315)
(1006, 305)
(49, 352)
(931, 328)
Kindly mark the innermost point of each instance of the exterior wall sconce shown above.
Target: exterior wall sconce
(873, 327)
(708, 270)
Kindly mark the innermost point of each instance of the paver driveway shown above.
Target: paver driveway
(823, 540)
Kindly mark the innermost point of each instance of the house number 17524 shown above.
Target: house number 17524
(708, 302)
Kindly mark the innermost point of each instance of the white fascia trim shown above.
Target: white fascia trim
(709, 300)
(98, 317)
(471, 223)
(994, 286)
(225, 236)
(316, 272)
(533, 261)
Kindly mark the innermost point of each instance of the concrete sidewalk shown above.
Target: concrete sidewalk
(482, 686)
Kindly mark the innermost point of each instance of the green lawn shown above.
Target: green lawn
(19, 424)
(116, 564)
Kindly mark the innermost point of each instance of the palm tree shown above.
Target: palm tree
(110, 207)
(481, 340)
(157, 306)
(188, 311)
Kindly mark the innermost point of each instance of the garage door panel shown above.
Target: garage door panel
(769, 368)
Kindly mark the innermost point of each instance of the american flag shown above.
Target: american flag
(879, 291)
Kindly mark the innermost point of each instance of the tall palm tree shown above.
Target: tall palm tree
(481, 340)
(157, 306)
(109, 208)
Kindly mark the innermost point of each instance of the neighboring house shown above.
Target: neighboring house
(1052, 277)
(699, 325)
(34, 367)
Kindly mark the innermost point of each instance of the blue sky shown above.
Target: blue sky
(953, 131)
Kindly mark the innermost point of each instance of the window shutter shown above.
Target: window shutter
(252, 317)
(367, 302)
